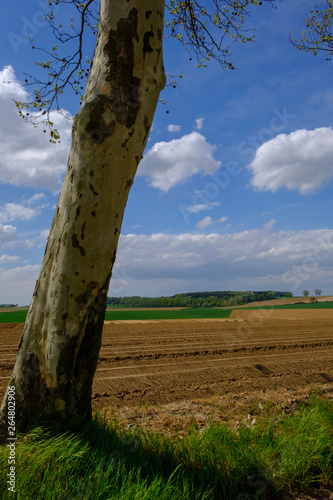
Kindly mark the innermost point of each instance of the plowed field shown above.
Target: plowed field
(158, 362)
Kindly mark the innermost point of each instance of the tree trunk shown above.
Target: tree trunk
(59, 348)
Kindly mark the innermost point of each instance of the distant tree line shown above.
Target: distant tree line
(3, 306)
(197, 299)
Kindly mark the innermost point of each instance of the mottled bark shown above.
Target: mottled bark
(60, 344)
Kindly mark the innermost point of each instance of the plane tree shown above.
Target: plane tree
(118, 90)
(317, 37)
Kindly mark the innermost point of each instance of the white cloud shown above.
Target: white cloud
(223, 219)
(27, 158)
(167, 164)
(9, 238)
(162, 264)
(7, 235)
(200, 207)
(240, 259)
(205, 222)
(269, 225)
(174, 128)
(8, 258)
(17, 284)
(36, 198)
(15, 211)
(199, 123)
(248, 260)
(44, 234)
(302, 160)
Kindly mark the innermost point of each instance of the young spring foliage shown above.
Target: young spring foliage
(206, 29)
(318, 35)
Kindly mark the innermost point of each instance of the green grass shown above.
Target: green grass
(13, 316)
(145, 314)
(100, 461)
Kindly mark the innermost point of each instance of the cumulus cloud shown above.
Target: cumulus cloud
(199, 123)
(302, 160)
(162, 264)
(173, 128)
(7, 235)
(205, 222)
(246, 260)
(27, 158)
(9, 238)
(167, 164)
(16, 211)
(223, 219)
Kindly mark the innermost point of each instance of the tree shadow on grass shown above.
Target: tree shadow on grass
(116, 457)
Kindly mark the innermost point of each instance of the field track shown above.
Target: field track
(158, 362)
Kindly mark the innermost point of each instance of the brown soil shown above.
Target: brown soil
(255, 316)
(12, 309)
(286, 301)
(162, 362)
(167, 375)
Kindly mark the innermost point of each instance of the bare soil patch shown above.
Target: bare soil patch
(255, 316)
(163, 362)
(12, 309)
(286, 301)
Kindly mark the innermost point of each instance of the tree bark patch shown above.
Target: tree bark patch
(119, 49)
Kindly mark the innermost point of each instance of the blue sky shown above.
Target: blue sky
(235, 189)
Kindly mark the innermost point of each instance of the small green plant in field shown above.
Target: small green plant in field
(102, 461)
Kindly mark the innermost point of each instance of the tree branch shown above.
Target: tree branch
(318, 35)
(211, 30)
(208, 31)
(62, 70)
